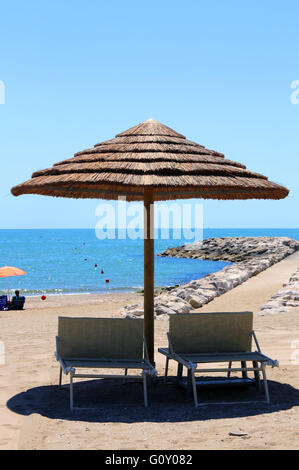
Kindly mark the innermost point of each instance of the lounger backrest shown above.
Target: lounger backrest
(211, 332)
(100, 338)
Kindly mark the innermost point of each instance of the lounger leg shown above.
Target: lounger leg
(265, 383)
(244, 372)
(179, 372)
(229, 372)
(71, 392)
(145, 390)
(166, 368)
(125, 375)
(194, 388)
(60, 377)
(257, 375)
(189, 383)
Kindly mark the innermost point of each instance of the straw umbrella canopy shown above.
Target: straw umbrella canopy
(150, 162)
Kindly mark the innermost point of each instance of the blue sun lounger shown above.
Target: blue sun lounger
(3, 302)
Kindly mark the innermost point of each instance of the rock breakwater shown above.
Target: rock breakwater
(285, 298)
(250, 255)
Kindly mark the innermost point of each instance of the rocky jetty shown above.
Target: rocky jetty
(236, 249)
(285, 298)
(250, 255)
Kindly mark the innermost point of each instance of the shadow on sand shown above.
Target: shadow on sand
(109, 400)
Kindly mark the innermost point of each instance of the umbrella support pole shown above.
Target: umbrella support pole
(8, 291)
(149, 271)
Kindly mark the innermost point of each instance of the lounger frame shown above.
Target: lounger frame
(69, 365)
(192, 361)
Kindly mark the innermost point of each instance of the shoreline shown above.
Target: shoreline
(247, 257)
(83, 301)
(116, 291)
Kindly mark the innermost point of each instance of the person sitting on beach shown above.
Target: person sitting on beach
(17, 302)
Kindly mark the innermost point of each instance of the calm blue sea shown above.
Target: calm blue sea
(70, 261)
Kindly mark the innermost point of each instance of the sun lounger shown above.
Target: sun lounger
(3, 302)
(101, 343)
(207, 338)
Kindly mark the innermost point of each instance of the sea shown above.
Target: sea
(75, 261)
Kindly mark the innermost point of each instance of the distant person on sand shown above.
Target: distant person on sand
(17, 295)
(17, 302)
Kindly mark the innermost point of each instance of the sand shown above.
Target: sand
(34, 414)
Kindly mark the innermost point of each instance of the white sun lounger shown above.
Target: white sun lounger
(100, 343)
(200, 338)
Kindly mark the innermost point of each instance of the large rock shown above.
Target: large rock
(285, 298)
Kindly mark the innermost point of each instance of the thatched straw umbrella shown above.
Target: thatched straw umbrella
(150, 162)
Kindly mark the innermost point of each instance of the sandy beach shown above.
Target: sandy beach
(149, 218)
(34, 414)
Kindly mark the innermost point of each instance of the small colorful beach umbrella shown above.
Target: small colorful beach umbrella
(150, 162)
(9, 271)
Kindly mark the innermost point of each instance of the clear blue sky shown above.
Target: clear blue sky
(220, 72)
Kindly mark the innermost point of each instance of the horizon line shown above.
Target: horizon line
(158, 228)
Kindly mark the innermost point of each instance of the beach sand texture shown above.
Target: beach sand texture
(34, 414)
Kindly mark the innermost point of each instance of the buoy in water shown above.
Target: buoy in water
(107, 280)
(102, 272)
